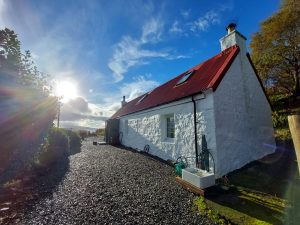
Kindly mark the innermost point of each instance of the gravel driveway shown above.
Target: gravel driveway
(109, 185)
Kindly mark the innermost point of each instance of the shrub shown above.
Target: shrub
(55, 147)
(83, 134)
(279, 119)
(58, 137)
(100, 132)
(283, 134)
(59, 144)
(74, 141)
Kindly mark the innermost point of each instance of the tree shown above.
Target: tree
(100, 132)
(30, 75)
(10, 55)
(276, 49)
(16, 67)
(27, 109)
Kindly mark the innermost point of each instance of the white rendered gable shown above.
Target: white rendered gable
(244, 129)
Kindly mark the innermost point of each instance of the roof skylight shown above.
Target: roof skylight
(142, 98)
(184, 78)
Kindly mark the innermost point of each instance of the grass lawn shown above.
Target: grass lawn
(263, 192)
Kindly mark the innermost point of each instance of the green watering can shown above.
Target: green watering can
(180, 164)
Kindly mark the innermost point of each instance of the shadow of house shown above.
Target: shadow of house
(267, 189)
(273, 173)
(248, 205)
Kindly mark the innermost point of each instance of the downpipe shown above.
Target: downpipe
(195, 132)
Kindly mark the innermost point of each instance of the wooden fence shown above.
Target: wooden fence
(294, 124)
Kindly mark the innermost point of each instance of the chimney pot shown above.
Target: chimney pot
(231, 27)
(123, 102)
(233, 38)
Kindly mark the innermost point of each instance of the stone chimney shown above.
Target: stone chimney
(123, 102)
(233, 37)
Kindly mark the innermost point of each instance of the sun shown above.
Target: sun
(66, 90)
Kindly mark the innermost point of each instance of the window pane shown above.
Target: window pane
(170, 127)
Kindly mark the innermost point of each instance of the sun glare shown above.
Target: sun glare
(66, 90)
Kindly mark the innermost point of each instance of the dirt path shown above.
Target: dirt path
(108, 185)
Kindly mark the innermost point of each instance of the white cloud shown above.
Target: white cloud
(2, 16)
(138, 87)
(173, 57)
(185, 13)
(152, 31)
(130, 52)
(79, 110)
(200, 24)
(204, 22)
(175, 28)
(109, 104)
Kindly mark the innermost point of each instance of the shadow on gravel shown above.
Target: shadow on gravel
(49, 178)
(21, 193)
(46, 181)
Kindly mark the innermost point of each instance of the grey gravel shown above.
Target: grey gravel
(109, 185)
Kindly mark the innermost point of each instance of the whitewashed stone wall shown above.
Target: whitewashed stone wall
(236, 120)
(206, 126)
(148, 128)
(243, 118)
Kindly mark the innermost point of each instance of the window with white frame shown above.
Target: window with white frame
(170, 126)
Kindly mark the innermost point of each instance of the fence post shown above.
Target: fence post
(294, 124)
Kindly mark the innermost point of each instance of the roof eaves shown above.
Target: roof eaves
(259, 80)
(175, 100)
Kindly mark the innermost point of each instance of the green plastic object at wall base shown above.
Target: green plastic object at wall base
(178, 168)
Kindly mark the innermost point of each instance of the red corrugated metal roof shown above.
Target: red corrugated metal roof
(206, 75)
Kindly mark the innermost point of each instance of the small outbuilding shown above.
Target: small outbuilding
(219, 103)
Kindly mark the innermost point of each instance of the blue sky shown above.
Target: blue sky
(115, 48)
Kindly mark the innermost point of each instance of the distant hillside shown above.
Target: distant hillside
(73, 127)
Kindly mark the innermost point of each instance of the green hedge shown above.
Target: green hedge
(59, 144)
(55, 147)
(58, 138)
(74, 142)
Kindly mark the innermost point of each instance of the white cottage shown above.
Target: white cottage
(221, 98)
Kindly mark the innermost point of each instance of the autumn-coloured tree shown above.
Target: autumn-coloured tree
(276, 49)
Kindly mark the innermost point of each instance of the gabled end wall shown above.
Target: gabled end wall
(244, 128)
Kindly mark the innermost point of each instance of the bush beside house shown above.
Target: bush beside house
(59, 144)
